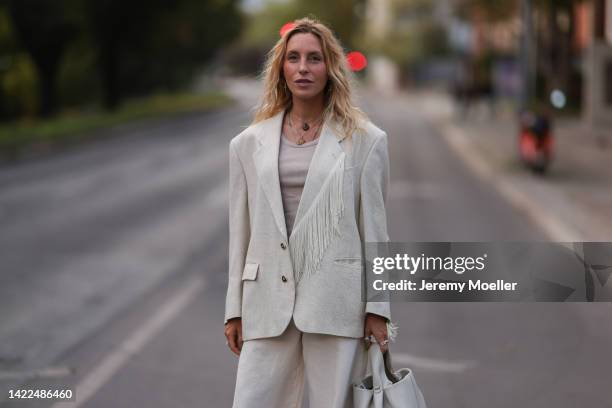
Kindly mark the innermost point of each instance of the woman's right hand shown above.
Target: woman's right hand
(233, 334)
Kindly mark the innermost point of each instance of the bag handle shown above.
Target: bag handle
(382, 372)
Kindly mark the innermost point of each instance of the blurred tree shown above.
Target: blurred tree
(18, 85)
(144, 45)
(197, 31)
(119, 31)
(345, 17)
(413, 36)
(486, 9)
(44, 32)
(136, 46)
(246, 56)
(262, 29)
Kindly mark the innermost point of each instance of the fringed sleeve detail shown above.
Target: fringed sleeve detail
(392, 330)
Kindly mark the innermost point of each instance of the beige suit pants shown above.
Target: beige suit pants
(272, 371)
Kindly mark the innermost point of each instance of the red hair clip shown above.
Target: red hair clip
(286, 27)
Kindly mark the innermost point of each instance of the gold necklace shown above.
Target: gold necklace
(305, 127)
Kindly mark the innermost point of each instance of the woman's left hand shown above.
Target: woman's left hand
(377, 326)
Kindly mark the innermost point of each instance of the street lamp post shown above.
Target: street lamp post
(535, 130)
(527, 56)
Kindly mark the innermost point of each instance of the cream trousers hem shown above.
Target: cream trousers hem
(272, 372)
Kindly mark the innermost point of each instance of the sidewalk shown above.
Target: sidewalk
(571, 202)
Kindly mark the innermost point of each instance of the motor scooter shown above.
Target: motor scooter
(535, 141)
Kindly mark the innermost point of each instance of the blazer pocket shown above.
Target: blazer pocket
(250, 271)
(351, 262)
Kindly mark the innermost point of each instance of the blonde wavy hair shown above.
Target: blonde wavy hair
(338, 96)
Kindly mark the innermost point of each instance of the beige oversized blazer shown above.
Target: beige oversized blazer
(315, 275)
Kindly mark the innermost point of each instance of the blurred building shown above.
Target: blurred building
(408, 43)
(494, 52)
(500, 36)
(594, 36)
(383, 74)
(590, 49)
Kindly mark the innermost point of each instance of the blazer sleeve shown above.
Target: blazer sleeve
(372, 211)
(239, 234)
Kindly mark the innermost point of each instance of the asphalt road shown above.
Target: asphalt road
(113, 275)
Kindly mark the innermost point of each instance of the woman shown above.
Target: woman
(308, 182)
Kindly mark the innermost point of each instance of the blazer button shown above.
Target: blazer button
(283, 245)
(283, 278)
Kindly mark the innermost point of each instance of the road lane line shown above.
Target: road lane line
(554, 227)
(49, 372)
(118, 357)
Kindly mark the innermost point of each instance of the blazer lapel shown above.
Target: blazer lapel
(326, 155)
(266, 163)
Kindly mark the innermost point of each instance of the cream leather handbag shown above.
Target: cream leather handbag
(385, 388)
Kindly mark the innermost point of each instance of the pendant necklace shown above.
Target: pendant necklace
(305, 127)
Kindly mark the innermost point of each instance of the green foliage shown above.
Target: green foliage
(247, 55)
(159, 44)
(81, 51)
(19, 87)
(491, 11)
(18, 80)
(342, 16)
(43, 29)
(244, 59)
(262, 29)
(414, 35)
(78, 81)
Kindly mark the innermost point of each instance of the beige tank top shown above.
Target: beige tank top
(293, 163)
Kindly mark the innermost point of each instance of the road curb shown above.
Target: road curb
(554, 227)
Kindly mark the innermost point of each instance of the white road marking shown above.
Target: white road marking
(554, 227)
(118, 357)
(49, 372)
(430, 364)
(416, 190)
